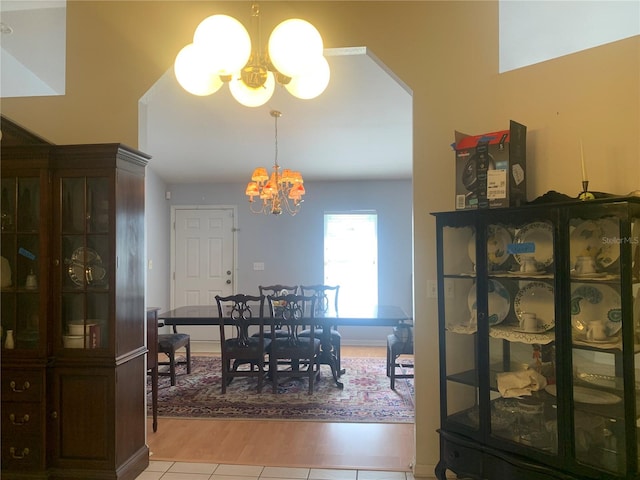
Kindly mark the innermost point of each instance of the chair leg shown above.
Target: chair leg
(225, 368)
(172, 368)
(273, 367)
(188, 351)
(313, 368)
(261, 376)
(393, 373)
(388, 361)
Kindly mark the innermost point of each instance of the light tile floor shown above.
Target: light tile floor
(159, 470)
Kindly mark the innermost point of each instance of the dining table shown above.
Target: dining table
(375, 316)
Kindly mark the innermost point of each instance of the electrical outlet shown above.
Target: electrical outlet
(432, 289)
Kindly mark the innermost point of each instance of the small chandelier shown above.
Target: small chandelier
(222, 52)
(278, 192)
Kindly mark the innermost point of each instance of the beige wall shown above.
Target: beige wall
(447, 52)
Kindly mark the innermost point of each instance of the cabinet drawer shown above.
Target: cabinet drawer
(462, 459)
(22, 386)
(21, 420)
(20, 455)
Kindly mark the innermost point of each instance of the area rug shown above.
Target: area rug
(366, 397)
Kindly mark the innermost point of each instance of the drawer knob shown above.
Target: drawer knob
(18, 456)
(25, 419)
(25, 386)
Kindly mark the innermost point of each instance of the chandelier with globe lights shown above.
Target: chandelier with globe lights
(281, 191)
(222, 52)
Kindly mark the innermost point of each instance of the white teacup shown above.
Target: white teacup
(596, 330)
(31, 282)
(529, 265)
(529, 322)
(585, 265)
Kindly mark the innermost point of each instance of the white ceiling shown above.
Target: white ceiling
(360, 128)
(33, 53)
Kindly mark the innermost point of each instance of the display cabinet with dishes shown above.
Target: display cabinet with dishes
(539, 324)
(25, 303)
(73, 317)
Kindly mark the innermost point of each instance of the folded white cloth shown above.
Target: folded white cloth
(515, 384)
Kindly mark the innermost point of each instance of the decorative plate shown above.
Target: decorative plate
(589, 239)
(498, 238)
(588, 395)
(499, 302)
(595, 302)
(90, 272)
(604, 376)
(538, 298)
(541, 235)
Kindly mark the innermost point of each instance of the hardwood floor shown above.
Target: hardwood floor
(379, 446)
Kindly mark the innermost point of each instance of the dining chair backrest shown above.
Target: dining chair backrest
(240, 311)
(276, 290)
(286, 311)
(326, 298)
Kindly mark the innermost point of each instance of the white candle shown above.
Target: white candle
(584, 168)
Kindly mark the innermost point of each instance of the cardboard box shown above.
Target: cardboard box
(491, 168)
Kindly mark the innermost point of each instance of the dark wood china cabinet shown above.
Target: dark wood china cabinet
(539, 324)
(73, 316)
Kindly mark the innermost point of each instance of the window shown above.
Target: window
(351, 258)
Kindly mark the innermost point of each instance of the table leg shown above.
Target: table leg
(328, 356)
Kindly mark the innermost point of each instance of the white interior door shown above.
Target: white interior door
(203, 260)
(203, 255)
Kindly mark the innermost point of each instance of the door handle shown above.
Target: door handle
(228, 282)
(228, 272)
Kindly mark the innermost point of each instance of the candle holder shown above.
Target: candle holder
(586, 194)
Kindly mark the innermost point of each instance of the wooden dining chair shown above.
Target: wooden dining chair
(301, 353)
(276, 290)
(169, 344)
(399, 347)
(238, 347)
(326, 305)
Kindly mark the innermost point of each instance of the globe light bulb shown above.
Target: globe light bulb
(227, 42)
(293, 45)
(252, 97)
(312, 82)
(193, 73)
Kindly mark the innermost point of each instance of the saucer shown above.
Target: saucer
(526, 274)
(597, 342)
(520, 330)
(588, 275)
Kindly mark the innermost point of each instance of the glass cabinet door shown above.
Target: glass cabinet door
(85, 224)
(460, 328)
(22, 308)
(595, 251)
(521, 307)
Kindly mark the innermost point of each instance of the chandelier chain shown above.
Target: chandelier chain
(276, 114)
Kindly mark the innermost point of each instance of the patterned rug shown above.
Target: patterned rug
(366, 397)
